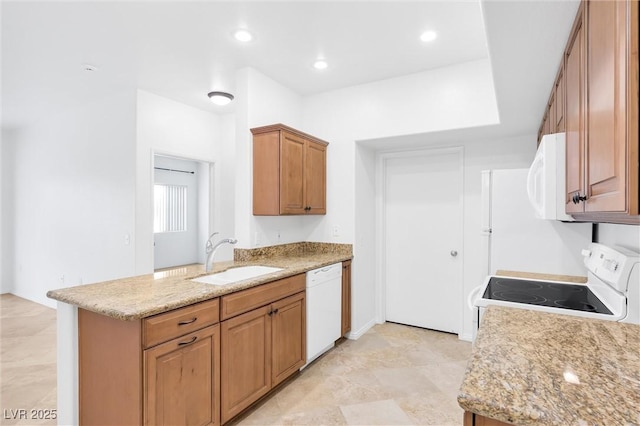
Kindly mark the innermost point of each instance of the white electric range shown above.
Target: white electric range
(612, 290)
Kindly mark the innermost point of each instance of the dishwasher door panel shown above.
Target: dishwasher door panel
(324, 310)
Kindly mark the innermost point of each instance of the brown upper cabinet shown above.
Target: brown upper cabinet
(289, 172)
(553, 119)
(557, 104)
(595, 101)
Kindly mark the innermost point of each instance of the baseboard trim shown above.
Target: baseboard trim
(355, 335)
(466, 337)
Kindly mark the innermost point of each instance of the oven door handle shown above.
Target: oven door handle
(472, 295)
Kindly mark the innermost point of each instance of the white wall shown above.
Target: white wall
(365, 301)
(627, 236)
(459, 96)
(261, 101)
(448, 98)
(6, 211)
(164, 126)
(78, 182)
(224, 185)
(454, 97)
(73, 181)
(2, 219)
(206, 209)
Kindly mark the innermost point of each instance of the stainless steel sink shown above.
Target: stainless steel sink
(236, 274)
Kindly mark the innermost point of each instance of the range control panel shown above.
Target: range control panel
(612, 265)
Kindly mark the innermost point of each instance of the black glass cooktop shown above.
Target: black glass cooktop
(556, 295)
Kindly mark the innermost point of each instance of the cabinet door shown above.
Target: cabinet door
(552, 112)
(606, 108)
(559, 99)
(546, 124)
(292, 152)
(574, 114)
(182, 380)
(288, 330)
(471, 419)
(315, 178)
(245, 360)
(266, 173)
(346, 297)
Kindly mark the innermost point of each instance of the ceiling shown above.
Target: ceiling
(184, 49)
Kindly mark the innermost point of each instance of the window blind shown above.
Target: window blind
(169, 208)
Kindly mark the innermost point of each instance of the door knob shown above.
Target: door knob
(453, 253)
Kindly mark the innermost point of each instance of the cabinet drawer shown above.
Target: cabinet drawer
(246, 300)
(163, 327)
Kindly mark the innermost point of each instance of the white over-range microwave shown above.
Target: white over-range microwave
(546, 182)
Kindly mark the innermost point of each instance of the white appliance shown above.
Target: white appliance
(546, 181)
(612, 291)
(324, 309)
(514, 239)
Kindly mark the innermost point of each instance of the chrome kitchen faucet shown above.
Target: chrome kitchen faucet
(212, 248)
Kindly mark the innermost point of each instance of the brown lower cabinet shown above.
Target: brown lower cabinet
(159, 370)
(472, 419)
(182, 380)
(260, 349)
(346, 297)
(198, 365)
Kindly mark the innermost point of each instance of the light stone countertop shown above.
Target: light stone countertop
(547, 277)
(537, 368)
(145, 295)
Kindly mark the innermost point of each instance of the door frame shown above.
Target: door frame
(382, 157)
(211, 211)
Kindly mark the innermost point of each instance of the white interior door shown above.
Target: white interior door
(422, 209)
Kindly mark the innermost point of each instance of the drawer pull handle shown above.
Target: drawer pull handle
(194, 319)
(193, 339)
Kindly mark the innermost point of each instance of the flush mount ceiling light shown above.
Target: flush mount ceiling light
(242, 35)
(320, 64)
(220, 98)
(428, 36)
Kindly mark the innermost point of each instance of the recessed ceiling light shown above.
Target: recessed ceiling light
(89, 67)
(320, 64)
(242, 35)
(220, 98)
(428, 36)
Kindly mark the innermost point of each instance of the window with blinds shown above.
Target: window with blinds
(169, 208)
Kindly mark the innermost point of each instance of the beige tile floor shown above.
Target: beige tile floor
(27, 361)
(393, 375)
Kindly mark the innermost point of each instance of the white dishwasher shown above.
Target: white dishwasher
(324, 309)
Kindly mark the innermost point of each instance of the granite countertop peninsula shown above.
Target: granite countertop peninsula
(145, 295)
(537, 368)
